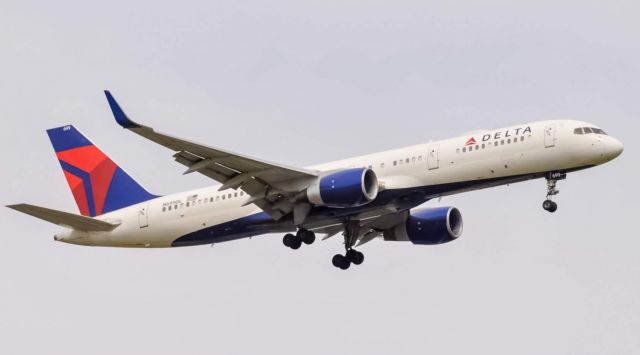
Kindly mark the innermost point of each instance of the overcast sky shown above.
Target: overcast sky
(303, 82)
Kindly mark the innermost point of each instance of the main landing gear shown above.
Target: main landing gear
(351, 255)
(552, 180)
(295, 241)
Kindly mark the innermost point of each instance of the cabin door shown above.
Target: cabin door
(550, 136)
(143, 216)
(433, 159)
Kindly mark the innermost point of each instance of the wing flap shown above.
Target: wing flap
(65, 219)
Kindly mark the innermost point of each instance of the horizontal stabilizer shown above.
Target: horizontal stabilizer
(64, 219)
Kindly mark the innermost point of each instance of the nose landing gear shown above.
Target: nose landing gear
(552, 180)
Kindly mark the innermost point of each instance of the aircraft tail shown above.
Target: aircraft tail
(98, 185)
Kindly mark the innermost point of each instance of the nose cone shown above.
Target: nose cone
(613, 148)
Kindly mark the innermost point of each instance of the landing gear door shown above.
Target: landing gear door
(143, 216)
(550, 136)
(433, 158)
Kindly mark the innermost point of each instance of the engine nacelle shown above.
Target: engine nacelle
(428, 227)
(346, 188)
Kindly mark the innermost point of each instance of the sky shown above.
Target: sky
(305, 82)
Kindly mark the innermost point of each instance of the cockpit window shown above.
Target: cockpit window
(588, 130)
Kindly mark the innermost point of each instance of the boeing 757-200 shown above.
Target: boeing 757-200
(362, 198)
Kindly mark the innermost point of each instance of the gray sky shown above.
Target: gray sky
(302, 83)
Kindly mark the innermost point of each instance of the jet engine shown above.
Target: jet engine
(345, 188)
(428, 227)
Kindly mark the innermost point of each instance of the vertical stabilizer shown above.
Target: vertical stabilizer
(98, 184)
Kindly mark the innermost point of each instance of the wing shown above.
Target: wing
(269, 185)
(64, 219)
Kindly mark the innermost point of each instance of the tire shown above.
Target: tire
(547, 204)
(308, 237)
(288, 238)
(340, 262)
(296, 243)
(553, 207)
(358, 258)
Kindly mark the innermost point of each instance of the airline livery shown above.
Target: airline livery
(363, 198)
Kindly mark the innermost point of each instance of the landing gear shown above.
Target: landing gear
(295, 241)
(550, 206)
(351, 256)
(552, 180)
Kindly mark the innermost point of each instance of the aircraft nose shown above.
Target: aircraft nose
(613, 148)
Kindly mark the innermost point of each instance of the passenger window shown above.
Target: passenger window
(188, 204)
(229, 196)
(522, 139)
(224, 197)
(495, 143)
(578, 131)
(483, 146)
(164, 209)
(464, 150)
(413, 160)
(235, 194)
(217, 198)
(419, 157)
(587, 130)
(175, 207)
(407, 161)
(382, 165)
(477, 147)
(502, 142)
(169, 208)
(458, 151)
(509, 141)
(395, 163)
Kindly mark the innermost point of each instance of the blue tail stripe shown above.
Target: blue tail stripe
(86, 182)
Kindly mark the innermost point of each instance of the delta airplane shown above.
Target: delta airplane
(363, 198)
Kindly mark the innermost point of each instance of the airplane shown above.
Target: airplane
(363, 198)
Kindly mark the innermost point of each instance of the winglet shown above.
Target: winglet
(119, 114)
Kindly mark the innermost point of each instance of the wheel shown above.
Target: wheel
(355, 257)
(340, 262)
(296, 243)
(550, 206)
(358, 258)
(288, 239)
(307, 237)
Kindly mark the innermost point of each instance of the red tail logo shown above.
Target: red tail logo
(471, 141)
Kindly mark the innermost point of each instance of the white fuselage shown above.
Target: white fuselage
(471, 161)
